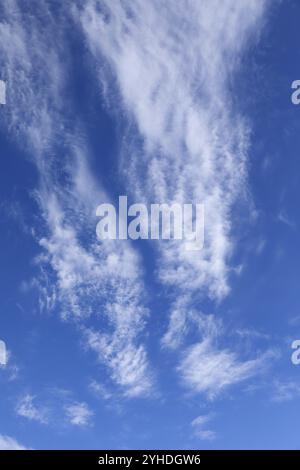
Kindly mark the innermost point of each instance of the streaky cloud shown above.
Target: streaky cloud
(168, 68)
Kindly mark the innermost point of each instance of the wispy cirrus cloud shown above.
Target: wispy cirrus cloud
(128, 363)
(208, 370)
(77, 276)
(283, 391)
(55, 407)
(100, 390)
(200, 428)
(172, 65)
(9, 443)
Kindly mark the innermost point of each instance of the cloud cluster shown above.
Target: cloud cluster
(60, 408)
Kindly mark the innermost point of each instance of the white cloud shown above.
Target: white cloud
(27, 409)
(200, 428)
(185, 320)
(208, 370)
(128, 362)
(285, 391)
(294, 321)
(251, 333)
(285, 219)
(9, 443)
(100, 390)
(32, 74)
(61, 409)
(103, 280)
(78, 414)
(261, 246)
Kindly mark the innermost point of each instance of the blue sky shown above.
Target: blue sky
(122, 344)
